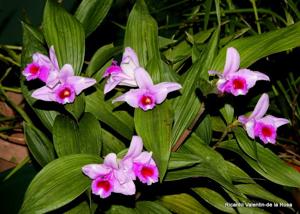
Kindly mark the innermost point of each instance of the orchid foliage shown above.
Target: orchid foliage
(155, 101)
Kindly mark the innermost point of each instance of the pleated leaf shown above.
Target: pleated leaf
(213, 198)
(180, 160)
(154, 126)
(65, 136)
(66, 34)
(111, 143)
(91, 13)
(39, 145)
(204, 130)
(90, 135)
(77, 107)
(142, 33)
(57, 184)
(104, 111)
(188, 107)
(274, 169)
(32, 43)
(151, 207)
(182, 203)
(253, 48)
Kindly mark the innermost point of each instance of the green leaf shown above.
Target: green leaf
(154, 126)
(228, 113)
(65, 136)
(204, 130)
(182, 203)
(111, 143)
(32, 43)
(119, 209)
(213, 198)
(247, 145)
(91, 13)
(105, 111)
(188, 107)
(39, 145)
(83, 207)
(57, 184)
(66, 34)
(218, 124)
(142, 34)
(77, 107)
(101, 57)
(90, 135)
(150, 207)
(181, 160)
(257, 191)
(274, 168)
(253, 48)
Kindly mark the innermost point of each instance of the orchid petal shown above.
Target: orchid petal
(135, 148)
(65, 72)
(250, 128)
(131, 97)
(142, 78)
(110, 85)
(129, 52)
(251, 76)
(232, 62)
(111, 161)
(53, 58)
(44, 93)
(261, 107)
(144, 157)
(243, 119)
(127, 188)
(80, 83)
(95, 170)
(275, 121)
(41, 59)
(161, 90)
(102, 187)
(129, 62)
(215, 73)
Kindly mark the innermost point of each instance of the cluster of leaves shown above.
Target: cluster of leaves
(179, 132)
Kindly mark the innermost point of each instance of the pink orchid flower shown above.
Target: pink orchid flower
(123, 74)
(66, 88)
(263, 127)
(42, 67)
(234, 80)
(140, 164)
(108, 178)
(148, 94)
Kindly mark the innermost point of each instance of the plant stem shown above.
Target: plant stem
(256, 16)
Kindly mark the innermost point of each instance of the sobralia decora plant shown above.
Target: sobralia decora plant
(157, 101)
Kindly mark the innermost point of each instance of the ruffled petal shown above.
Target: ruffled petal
(65, 72)
(251, 76)
(95, 170)
(142, 78)
(161, 90)
(44, 93)
(275, 121)
(111, 161)
(232, 62)
(127, 188)
(102, 187)
(144, 157)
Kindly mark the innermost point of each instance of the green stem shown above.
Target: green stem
(5, 74)
(15, 107)
(256, 16)
(19, 166)
(16, 90)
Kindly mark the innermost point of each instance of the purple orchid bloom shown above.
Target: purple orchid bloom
(66, 88)
(234, 80)
(108, 178)
(42, 67)
(148, 94)
(263, 127)
(140, 164)
(123, 74)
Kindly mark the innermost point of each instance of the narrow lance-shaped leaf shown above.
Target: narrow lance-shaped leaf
(274, 168)
(253, 48)
(188, 106)
(66, 34)
(91, 13)
(57, 184)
